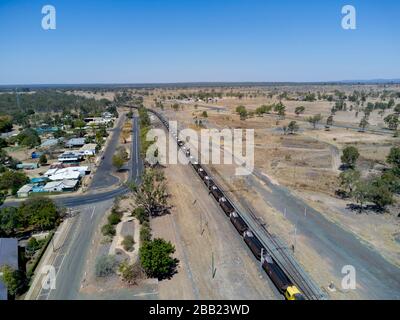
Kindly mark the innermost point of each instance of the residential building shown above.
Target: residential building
(61, 186)
(24, 191)
(89, 149)
(27, 166)
(75, 142)
(66, 175)
(70, 156)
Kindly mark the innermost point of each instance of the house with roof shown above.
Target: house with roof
(24, 191)
(75, 142)
(27, 166)
(70, 156)
(61, 186)
(65, 175)
(82, 170)
(89, 149)
(8, 257)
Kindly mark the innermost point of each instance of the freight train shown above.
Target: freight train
(275, 273)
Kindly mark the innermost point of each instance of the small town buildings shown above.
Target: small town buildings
(70, 156)
(27, 166)
(8, 257)
(82, 170)
(50, 142)
(61, 186)
(24, 191)
(65, 175)
(89, 149)
(75, 142)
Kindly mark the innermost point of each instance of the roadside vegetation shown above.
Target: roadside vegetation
(32, 216)
(378, 190)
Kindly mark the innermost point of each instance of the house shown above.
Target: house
(75, 142)
(27, 166)
(70, 156)
(83, 170)
(50, 142)
(8, 257)
(61, 186)
(66, 175)
(107, 115)
(89, 149)
(24, 191)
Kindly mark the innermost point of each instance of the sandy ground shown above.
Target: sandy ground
(201, 233)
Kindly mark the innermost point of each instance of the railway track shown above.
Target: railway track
(274, 247)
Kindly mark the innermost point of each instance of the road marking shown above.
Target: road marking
(145, 294)
(94, 208)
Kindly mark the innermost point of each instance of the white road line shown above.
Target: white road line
(94, 208)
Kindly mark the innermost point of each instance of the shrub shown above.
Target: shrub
(106, 266)
(108, 230)
(130, 273)
(140, 214)
(128, 243)
(145, 234)
(114, 219)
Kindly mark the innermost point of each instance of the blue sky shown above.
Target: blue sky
(147, 41)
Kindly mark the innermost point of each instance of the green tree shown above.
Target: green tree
(299, 110)
(394, 157)
(392, 121)
(14, 280)
(43, 159)
(29, 138)
(10, 221)
(363, 123)
(349, 179)
(13, 180)
(39, 213)
(329, 120)
(151, 194)
(241, 110)
(350, 156)
(156, 258)
(380, 194)
(293, 127)
(314, 120)
(204, 114)
(361, 193)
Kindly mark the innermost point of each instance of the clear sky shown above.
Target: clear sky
(147, 41)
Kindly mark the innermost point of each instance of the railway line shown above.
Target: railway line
(276, 259)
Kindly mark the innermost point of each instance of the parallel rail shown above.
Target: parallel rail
(281, 254)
